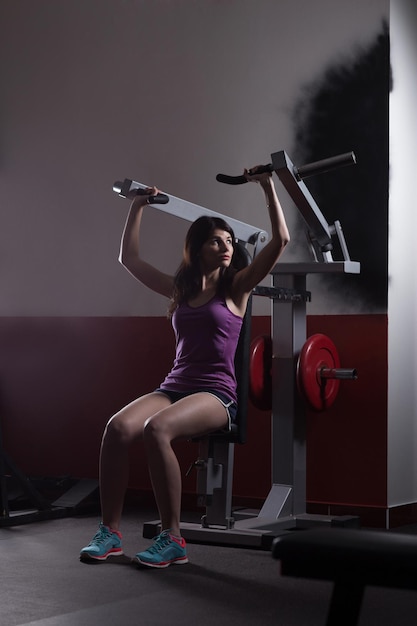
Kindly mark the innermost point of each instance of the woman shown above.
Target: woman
(208, 297)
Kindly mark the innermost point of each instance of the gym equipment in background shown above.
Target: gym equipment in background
(36, 506)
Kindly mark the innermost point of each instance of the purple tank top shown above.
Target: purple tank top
(206, 339)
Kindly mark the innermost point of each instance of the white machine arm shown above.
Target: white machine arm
(245, 233)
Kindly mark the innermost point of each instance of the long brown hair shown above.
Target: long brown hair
(188, 279)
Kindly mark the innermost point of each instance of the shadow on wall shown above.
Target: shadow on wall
(344, 109)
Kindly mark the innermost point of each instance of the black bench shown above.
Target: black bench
(352, 559)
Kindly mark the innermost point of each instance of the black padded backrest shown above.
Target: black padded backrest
(239, 432)
(239, 428)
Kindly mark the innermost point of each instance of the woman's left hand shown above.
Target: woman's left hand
(140, 197)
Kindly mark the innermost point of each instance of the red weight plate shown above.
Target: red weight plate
(318, 352)
(260, 380)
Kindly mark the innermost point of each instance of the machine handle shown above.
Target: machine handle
(159, 198)
(123, 188)
(239, 180)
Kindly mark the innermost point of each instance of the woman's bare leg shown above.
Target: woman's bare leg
(192, 416)
(122, 430)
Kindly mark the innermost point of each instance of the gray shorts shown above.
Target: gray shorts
(229, 405)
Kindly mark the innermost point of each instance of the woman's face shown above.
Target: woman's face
(217, 251)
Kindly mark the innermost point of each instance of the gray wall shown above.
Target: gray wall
(166, 92)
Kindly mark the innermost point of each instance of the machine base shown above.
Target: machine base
(252, 532)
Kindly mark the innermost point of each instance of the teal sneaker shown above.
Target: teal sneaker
(105, 543)
(165, 550)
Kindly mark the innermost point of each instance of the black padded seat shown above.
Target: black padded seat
(352, 559)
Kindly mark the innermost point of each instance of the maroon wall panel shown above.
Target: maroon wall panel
(61, 379)
(347, 445)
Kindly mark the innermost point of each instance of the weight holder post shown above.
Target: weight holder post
(340, 373)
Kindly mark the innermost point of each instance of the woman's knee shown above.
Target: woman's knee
(119, 431)
(155, 431)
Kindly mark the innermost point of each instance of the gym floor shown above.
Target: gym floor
(44, 583)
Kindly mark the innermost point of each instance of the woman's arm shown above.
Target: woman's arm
(130, 257)
(265, 260)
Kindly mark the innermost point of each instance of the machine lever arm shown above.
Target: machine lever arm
(304, 171)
